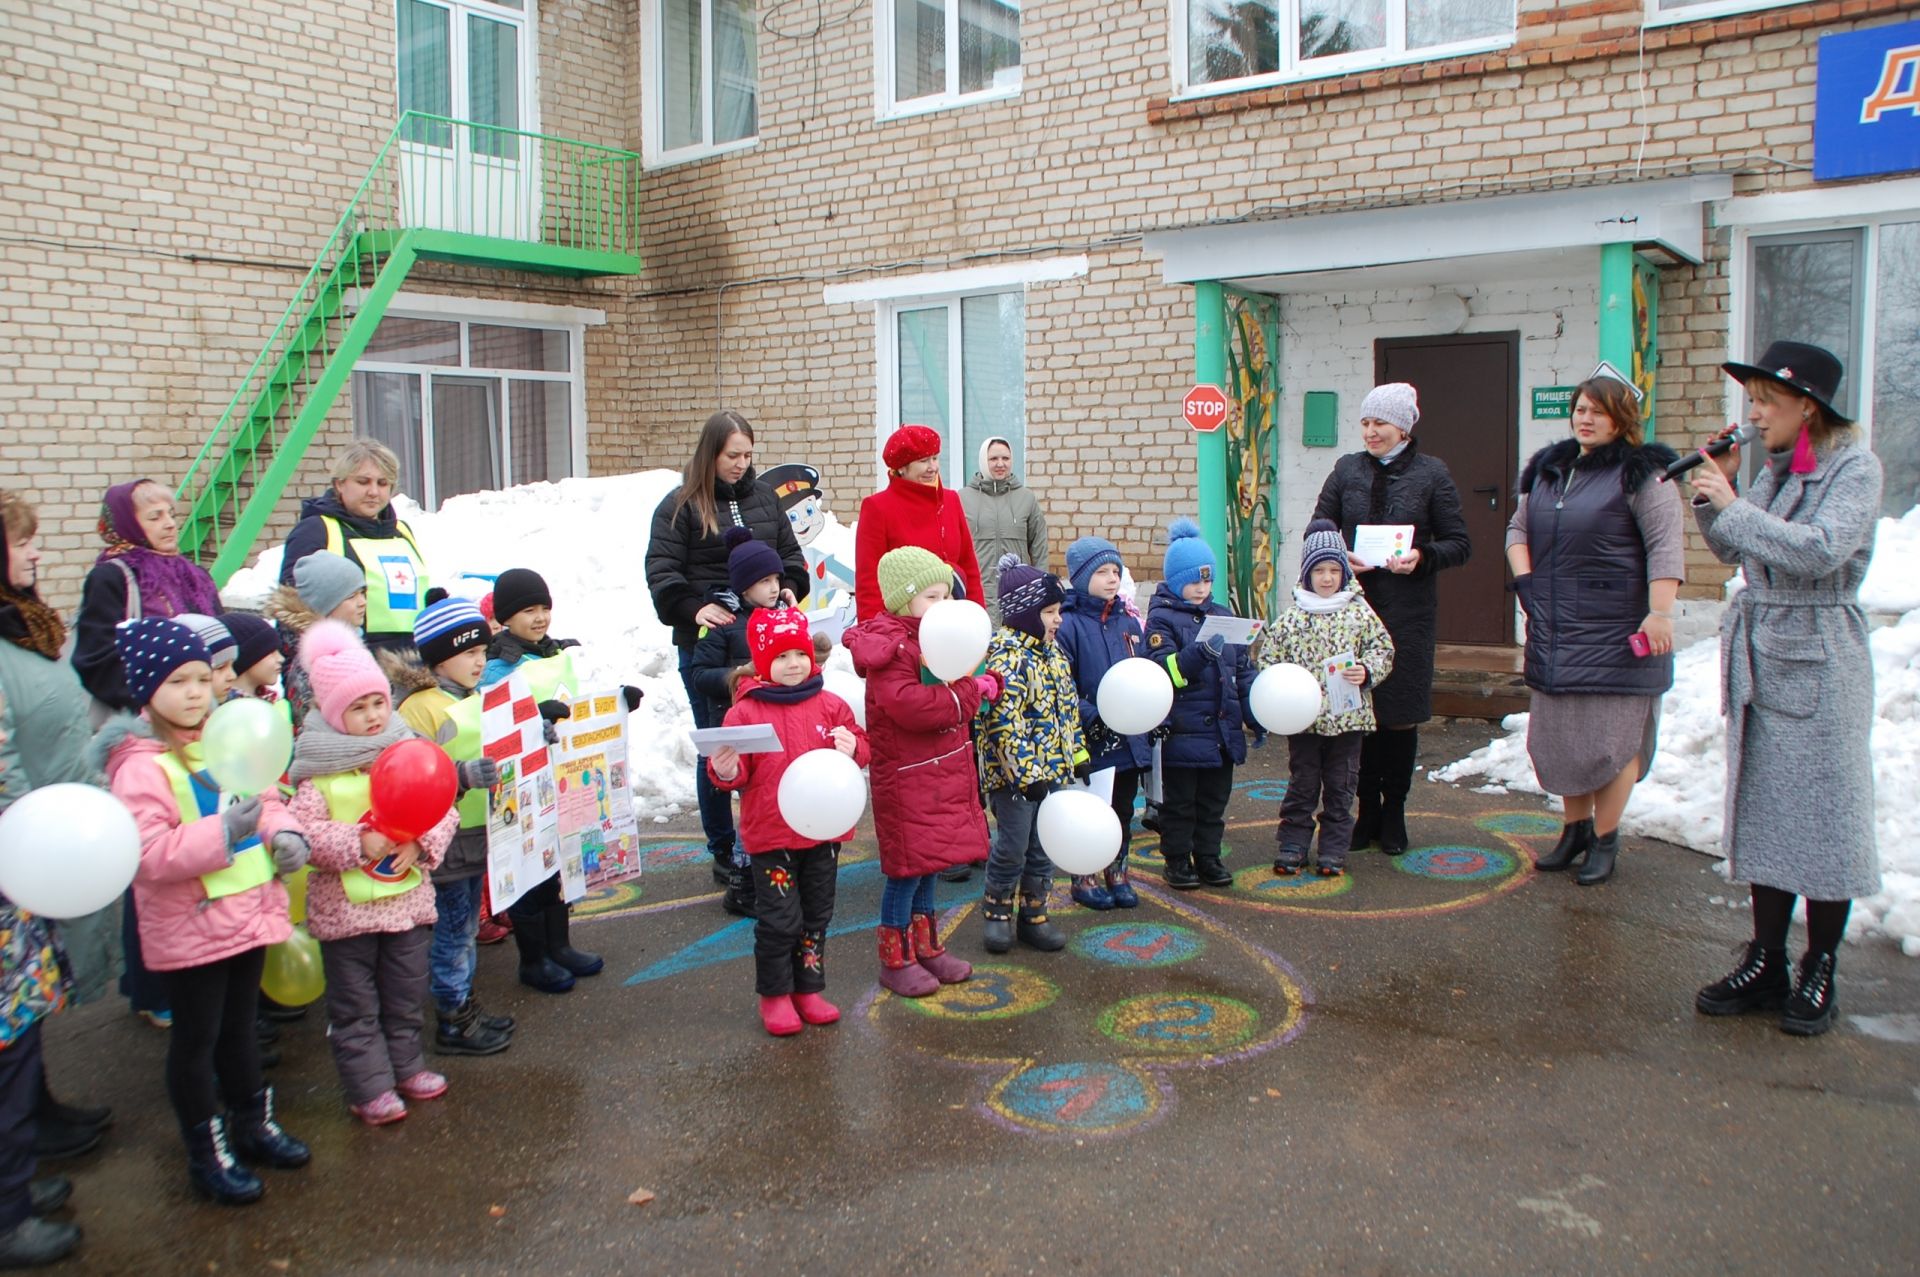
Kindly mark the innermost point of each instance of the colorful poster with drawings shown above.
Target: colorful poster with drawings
(599, 839)
(523, 810)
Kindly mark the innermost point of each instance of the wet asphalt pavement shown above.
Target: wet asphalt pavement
(1443, 1063)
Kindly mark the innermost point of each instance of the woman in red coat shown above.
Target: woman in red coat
(926, 793)
(913, 509)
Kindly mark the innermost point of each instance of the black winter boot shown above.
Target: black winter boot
(258, 1136)
(502, 1023)
(1366, 815)
(1576, 839)
(1178, 873)
(35, 1243)
(1811, 1008)
(1398, 752)
(997, 913)
(1600, 858)
(1212, 871)
(1034, 928)
(560, 947)
(465, 1033)
(49, 1109)
(1758, 983)
(537, 969)
(738, 900)
(214, 1171)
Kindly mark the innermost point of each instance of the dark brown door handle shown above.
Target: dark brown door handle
(1492, 494)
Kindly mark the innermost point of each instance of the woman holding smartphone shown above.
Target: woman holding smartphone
(1596, 548)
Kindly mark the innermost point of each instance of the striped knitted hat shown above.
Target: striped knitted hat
(222, 647)
(445, 629)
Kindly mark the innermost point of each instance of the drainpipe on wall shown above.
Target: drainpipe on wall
(1210, 447)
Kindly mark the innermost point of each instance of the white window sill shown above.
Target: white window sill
(1698, 13)
(693, 154)
(942, 102)
(1351, 64)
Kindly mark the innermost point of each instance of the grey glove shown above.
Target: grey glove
(290, 852)
(552, 733)
(1215, 644)
(478, 773)
(241, 820)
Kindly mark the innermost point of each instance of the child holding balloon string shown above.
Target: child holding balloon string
(210, 902)
(1329, 622)
(368, 903)
(793, 874)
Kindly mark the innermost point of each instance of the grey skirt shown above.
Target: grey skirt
(1579, 743)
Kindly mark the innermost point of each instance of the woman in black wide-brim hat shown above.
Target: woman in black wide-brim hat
(1796, 680)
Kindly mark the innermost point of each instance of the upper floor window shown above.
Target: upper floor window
(704, 77)
(937, 53)
(466, 60)
(1664, 11)
(1226, 44)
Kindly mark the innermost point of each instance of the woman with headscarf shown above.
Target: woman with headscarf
(1004, 518)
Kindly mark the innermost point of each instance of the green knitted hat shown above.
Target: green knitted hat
(907, 571)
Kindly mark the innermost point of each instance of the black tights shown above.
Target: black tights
(213, 1036)
(1773, 914)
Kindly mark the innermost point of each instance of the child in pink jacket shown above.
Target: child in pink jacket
(209, 901)
(369, 902)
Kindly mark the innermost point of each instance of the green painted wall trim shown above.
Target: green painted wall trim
(1616, 306)
(1210, 449)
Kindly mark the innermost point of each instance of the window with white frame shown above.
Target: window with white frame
(1221, 44)
(704, 88)
(471, 405)
(957, 364)
(466, 60)
(937, 53)
(1855, 290)
(1668, 11)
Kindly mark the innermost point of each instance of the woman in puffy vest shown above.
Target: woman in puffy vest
(1596, 547)
(355, 519)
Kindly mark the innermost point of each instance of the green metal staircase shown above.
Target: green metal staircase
(440, 190)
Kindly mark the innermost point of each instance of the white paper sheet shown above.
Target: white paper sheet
(1101, 783)
(1342, 697)
(1235, 629)
(1375, 543)
(753, 738)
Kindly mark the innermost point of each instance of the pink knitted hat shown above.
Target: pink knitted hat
(341, 670)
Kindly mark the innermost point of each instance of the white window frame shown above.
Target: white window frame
(525, 21)
(653, 152)
(574, 321)
(1658, 17)
(1292, 71)
(886, 108)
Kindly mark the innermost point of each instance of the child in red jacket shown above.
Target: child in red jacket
(793, 879)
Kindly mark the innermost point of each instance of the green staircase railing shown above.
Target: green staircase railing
(440, 189)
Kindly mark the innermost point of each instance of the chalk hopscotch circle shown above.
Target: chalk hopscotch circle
(1180, 1024)
(1520, 824)
(1456, 864)
(1076, 1098)
(1138, 944)
(1271, 791)
(672, 855)
(604, 899)
(1305, 885)
(994, 993)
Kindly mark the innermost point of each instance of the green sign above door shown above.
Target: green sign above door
(1553, 403)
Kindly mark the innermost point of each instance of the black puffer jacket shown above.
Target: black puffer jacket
(686, 565)
(1416, 489)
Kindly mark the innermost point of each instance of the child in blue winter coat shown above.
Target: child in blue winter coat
(1098, 629)
(1210, 681)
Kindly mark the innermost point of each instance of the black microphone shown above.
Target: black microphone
(1718, 448)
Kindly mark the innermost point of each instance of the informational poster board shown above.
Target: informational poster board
(598, 834)
(523, 809)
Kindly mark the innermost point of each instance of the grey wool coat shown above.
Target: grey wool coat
(1796, 677)
(1005, 518)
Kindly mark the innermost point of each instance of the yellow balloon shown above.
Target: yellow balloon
(294, 976)
(296, 885)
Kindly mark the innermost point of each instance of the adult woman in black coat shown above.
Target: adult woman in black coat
(687, 575)
(1391, 482)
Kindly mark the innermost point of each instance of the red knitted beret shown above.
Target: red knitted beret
(909, 444)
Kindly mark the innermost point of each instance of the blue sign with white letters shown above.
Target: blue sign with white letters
(1867, 103)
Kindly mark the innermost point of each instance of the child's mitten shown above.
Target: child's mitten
(241, 820)
(289, 852)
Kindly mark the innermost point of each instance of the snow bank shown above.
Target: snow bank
(1680, 801)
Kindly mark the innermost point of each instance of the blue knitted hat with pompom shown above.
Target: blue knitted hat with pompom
(1189, 557)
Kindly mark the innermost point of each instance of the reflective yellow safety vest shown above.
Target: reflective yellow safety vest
(551, 678)
(455, 727)
(349, 799)
(197, 796)
(396, 574)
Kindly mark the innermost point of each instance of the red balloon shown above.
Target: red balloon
(413, 787)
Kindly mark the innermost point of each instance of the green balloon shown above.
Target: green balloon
(246, 746)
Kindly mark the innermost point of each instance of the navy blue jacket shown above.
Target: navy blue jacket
(1208, 718)
(1096, 636)
(716, 654)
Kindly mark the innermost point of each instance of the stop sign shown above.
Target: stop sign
(1205, 408)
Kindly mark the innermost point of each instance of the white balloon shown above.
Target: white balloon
(1078, 831)
(953, 638)
(1135, 696)
(1285, 699)
(850, 688)
(822, 794)
(67, 851)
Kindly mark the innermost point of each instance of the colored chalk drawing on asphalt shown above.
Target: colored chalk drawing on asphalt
(997, 991)
(659, 856)
(1456, 864)
(607, 899)
(1261, 880)
(1521, 824)
(1139, 944)
(1157, 1035)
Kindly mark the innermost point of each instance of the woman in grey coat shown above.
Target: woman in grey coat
(1004, 517)
(1796, 680)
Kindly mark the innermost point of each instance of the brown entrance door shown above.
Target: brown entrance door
(1469, 418)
